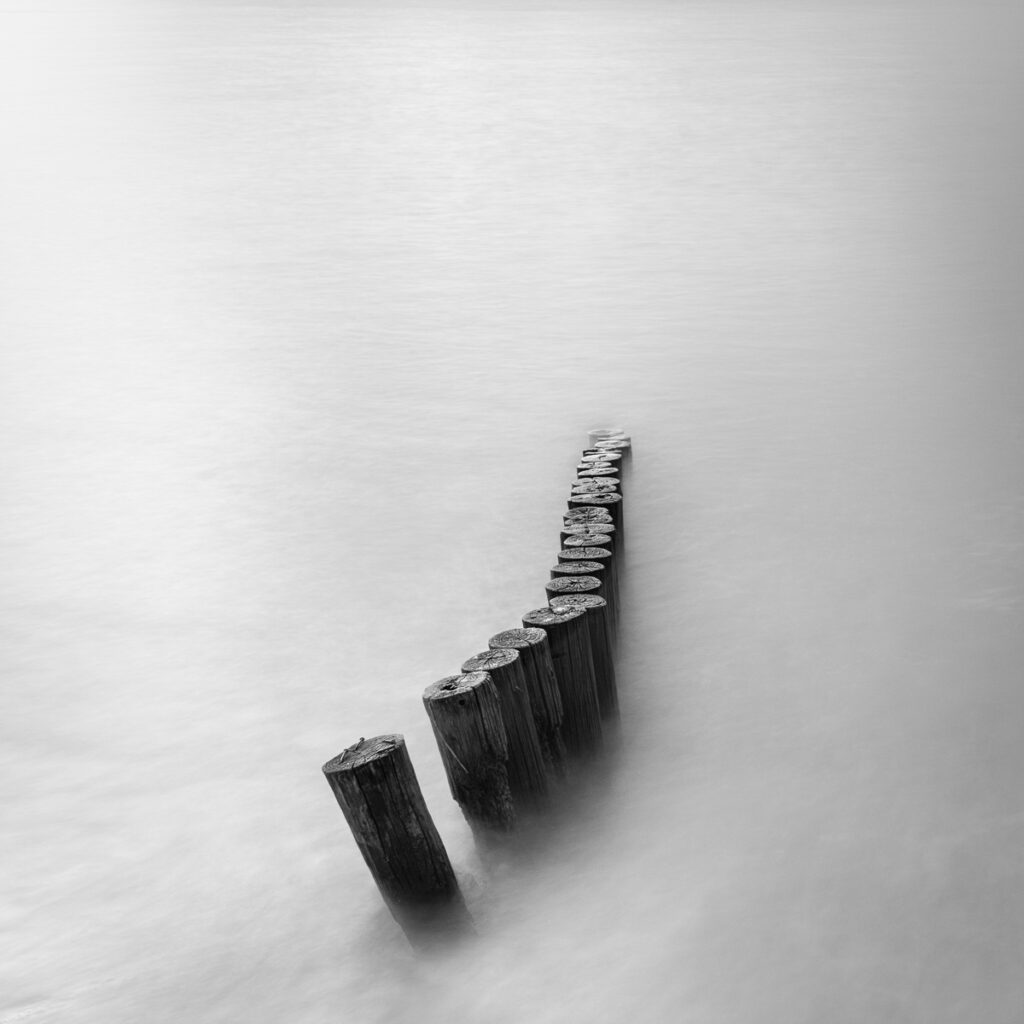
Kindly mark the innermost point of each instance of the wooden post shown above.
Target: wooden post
(620, 444)
(574, 670)
(580, 567)
(611, 502)
(601, 571)
(603, 471)
(542, 686)
(600, 455)
(598, 434)
(599, 622)
(587, 514)
(376, 788)
(596, 538)
(605, 556)
(589, 467)
(527, 777)
(465, 714)
(562, 585)
(595, 486)
(596, 535)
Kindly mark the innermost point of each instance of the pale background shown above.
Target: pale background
(305, 310)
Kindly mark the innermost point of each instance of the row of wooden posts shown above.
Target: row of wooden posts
(539, 697)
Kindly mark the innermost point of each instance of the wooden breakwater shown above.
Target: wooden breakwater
(511, 720)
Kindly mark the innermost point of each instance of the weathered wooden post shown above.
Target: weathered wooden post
(591, 467)
(598, 485)
(605, 457)
(376, 788)
(595, 534)
(589, 567)
(622, 445)
(606, 557)
(527, 777)
(611, 502)
(465, 714)
(559, 586)
(581, 567)
(542, 686)
(599, 627)
(576, 529)
(598, 434)
(590, 514)
(595, 538)
(574, 670)
(598, 471)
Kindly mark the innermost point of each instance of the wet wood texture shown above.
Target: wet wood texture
(465, 714)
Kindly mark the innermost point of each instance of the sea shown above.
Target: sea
(305, 312)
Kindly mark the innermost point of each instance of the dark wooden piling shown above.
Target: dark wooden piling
(605, 556)
(611, 502)
(598, 486)
(610, 458)
(580, 567)
(590, 567)
(598, 434)
(527, 776)
(593, 535)
(542, 686)
(574, 670)
(599, 628)
(596, 538)
(376, 788)
(559, 586)
(586, 514)
(465, 714)
(602, 471)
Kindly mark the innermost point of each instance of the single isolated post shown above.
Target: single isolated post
(465, 714)
(574, 670)
(376, 788)
(527, 777)
(542, 686)
(599, 626)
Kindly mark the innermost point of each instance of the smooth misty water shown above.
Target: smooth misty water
(305, 311)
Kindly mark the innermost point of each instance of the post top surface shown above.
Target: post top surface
(573, 584)
(364, 751)
(517, 639)
(552, 616)
(581, 601)
(454, 686)
(496, 657)
(594, 553)
(596, 498)
(587, 540)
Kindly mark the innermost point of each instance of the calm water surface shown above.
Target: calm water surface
(305, 311)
